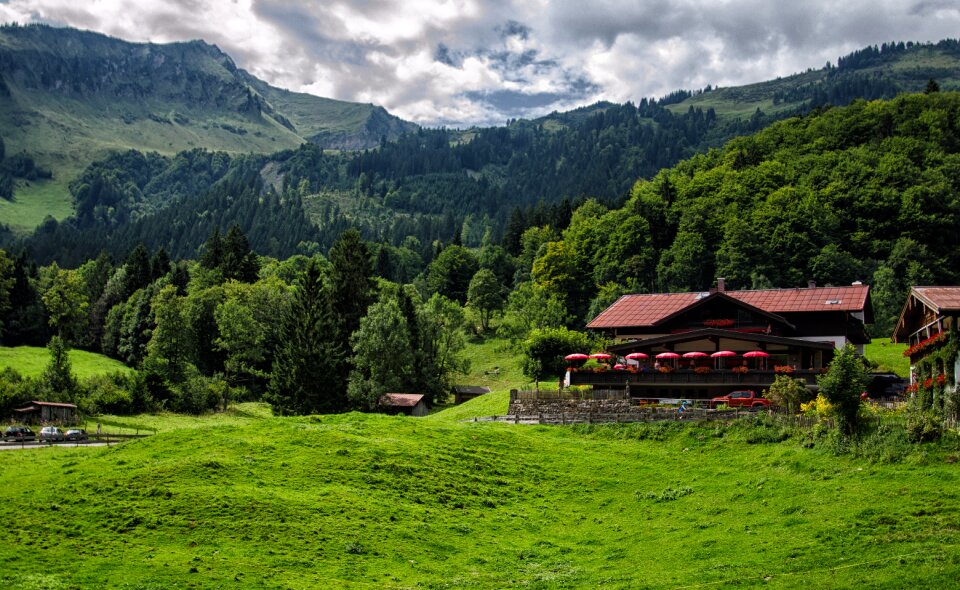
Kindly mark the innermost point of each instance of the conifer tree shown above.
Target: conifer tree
(308, 362)
(351, 285)
(159, 264)
(138, 270)
(239, 261)
(213, 251)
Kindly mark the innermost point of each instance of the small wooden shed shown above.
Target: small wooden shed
(37, 412)
(411, 404)
(464, 393)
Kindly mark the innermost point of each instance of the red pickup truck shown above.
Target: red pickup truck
(741, 399)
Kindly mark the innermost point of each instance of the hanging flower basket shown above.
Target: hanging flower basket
(740, 370)
(783, 369)
(701, 370)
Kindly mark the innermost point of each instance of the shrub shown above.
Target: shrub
(888, 444)
(107, 394)
(788, 393)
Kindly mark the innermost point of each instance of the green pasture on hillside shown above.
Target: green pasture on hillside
(30, 361)
(888, 356)
(244, 500)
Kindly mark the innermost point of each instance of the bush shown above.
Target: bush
(196, 395)
(789, 393)
(107, 394)
(924, 425)
(888, 444)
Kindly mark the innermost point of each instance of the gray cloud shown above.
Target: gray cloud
(462, 62)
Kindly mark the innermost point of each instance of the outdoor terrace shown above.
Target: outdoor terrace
(752, 378)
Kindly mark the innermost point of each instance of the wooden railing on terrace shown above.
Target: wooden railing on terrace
(682, 377)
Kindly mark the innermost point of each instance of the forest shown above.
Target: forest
(868, 192)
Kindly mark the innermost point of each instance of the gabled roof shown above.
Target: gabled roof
(852, 298)
(471, 389)
(647, 310)
(400, 400)
(939, 299)
(51, 404)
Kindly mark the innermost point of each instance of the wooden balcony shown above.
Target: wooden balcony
(750, 379)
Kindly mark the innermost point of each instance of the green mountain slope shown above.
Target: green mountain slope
(869, 73)
(69, 97)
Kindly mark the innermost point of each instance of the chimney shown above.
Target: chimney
(721, 284)
(811, 284)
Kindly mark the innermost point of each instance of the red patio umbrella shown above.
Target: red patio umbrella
(668, 355)
(635, 356)
(619, 367)
(577, 356)
(694, 355)
(601, 356)
(722, 354)
(756, 354)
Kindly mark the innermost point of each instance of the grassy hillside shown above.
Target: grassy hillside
(360, 501)
(869, 73)
(70, 97)
(888, 356)
(30, 361)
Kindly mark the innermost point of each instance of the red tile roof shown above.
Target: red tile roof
(649, 310)
(401, 400)
(940, 298)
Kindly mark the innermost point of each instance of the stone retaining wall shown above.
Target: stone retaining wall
(572, 407)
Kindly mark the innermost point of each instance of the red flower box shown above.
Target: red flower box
(924, 344)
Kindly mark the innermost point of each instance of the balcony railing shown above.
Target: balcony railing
(719, 377)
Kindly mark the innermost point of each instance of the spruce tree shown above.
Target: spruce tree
(239, 261)
(351, 285)
(138, 270)
(159, 264)
(308, 364)
(213, 251)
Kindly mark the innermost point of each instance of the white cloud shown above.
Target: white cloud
(477, 62)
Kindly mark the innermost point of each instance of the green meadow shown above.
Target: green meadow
(888, 356)
(30, 361)
(246, 500)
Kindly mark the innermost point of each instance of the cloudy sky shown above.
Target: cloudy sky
(463, 62)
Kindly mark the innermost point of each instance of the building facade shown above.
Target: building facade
(703, 344)
(926, 324)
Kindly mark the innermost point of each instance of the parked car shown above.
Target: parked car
(51, 434)
(18, 434)
(76, 434)
(740, 399)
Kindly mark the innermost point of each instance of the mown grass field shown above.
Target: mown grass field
(30, 361)
(356, 501)
(888, 356)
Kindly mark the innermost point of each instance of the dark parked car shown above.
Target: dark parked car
(51, 434)
(76, 434)
(18, 434)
